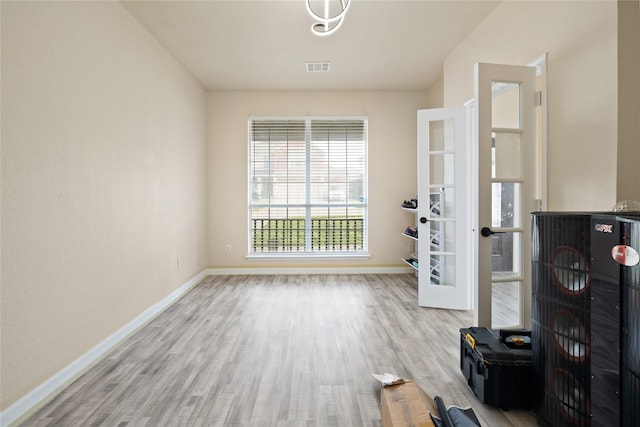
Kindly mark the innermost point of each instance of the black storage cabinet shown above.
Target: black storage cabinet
(498, 371)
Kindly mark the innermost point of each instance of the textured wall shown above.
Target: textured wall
(628, 95)
(392, 167)
(580, 39)
(103, 181)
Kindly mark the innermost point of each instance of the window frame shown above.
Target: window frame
(308, 205)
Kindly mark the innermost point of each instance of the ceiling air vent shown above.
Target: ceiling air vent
(318, 67)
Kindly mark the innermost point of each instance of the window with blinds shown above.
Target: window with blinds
(308, 185)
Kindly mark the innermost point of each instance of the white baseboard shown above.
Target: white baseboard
(320, 270)
(48, 389)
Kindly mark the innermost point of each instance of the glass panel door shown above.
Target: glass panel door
(443, 231)
(505, 116)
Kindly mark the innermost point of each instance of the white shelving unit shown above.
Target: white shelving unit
(436, 203)
(413, 260)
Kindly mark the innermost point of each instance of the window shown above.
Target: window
(308, 186)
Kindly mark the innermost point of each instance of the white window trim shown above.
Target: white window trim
(343, 256)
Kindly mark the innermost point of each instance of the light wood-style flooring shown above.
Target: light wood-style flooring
(281, 351)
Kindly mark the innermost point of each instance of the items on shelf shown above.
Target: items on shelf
(412, 262)
(410, 204)
(411, 232)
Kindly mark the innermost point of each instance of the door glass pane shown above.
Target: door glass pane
(506, 159)
(505, 204)
(505, 111)
(442, 203)
(441, 135)
(505, 304)
(441, 169)
(442, 269)
(505, 254)
(435, 203)
(442, 236)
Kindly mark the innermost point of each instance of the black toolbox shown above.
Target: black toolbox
(498, 365)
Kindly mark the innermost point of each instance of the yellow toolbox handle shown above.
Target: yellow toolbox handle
(518, 341)
(470, 340)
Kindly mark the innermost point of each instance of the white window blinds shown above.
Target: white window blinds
(307, 185)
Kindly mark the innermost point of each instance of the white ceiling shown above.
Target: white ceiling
(264, 44)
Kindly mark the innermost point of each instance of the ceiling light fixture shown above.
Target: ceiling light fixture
(327, 24)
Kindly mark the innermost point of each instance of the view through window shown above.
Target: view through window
(308, 185)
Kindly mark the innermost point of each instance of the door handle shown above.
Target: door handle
(486, 232)
(423, 220)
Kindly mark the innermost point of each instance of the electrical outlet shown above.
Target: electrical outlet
(227, 249)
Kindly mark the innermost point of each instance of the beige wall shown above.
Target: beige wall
(628, 100)
(392, 167)
(580, 39)
(103, 182)
(435, 95)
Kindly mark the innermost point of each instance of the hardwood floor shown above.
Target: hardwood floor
(281, 351)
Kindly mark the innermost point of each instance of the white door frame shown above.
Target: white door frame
(485, 74)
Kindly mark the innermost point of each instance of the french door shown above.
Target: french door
(506, 171)
(443, 219)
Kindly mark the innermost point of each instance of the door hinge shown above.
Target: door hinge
(538, 98)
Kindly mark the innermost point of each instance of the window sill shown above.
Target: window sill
(336, 256)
